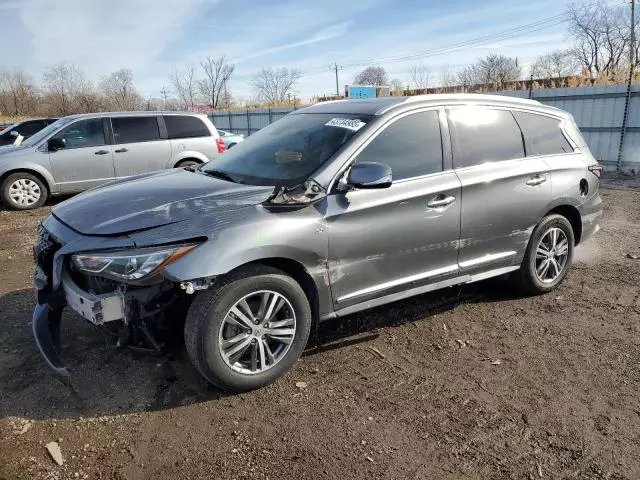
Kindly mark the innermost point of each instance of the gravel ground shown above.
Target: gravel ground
(472, 382)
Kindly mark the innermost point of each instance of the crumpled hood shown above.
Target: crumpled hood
(151, 200)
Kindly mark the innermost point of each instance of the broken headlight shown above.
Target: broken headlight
(129, 264)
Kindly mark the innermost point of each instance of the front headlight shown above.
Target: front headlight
(129, 264)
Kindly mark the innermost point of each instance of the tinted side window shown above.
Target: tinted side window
(485, 135)
(411, 146)
(542, 135)
(84, 133)
(183, 126)
(135, 129)
(29, 128)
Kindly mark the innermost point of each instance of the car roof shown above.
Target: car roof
(132, 114)
(382, 105)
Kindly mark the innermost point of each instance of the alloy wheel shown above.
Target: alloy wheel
(551, 255)
(257, 332)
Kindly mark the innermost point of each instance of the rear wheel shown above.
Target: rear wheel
(250, 330)
(231, 145)
(187, 163)
(548, 256)
(23, 191)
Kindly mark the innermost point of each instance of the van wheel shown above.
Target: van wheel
(548, 256)
(249, 330)
(23, 191)
(187, 163)
(232, 145)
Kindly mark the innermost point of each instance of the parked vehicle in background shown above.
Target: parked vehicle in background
(334, 209)
(24, 129)
(79, 152)
(230, 139)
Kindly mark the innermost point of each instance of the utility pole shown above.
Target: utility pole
(164, 95)
(337, 67)
(632, 53)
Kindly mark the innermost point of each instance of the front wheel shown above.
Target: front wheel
(548, 257)
(250, 330)
(23, 191)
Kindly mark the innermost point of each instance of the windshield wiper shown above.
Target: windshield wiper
(221, 175)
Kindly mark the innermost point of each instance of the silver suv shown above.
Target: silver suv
(79, 152)
(331, 210)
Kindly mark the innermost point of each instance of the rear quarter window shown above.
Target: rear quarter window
(185, 126)
(542, 134)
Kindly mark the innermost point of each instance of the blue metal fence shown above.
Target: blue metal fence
(599, 112)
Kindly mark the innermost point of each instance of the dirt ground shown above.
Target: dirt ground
(471, 383)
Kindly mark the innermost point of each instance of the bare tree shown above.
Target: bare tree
(447, 78)
(214, 86)
(396, 85)
(601, 35)
(556, 64)
(275, 85)
(65, 86)
(372, 76)
(420, 76)
(18, 94)
(119, 91)
(469, 76)
(496, 70)
(185, 86)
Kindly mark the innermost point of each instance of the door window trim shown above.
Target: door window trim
(445, 141)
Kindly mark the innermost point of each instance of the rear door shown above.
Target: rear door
(87, 160)
(189, 133)
(388, 240)
(504, 194)
(138, 145)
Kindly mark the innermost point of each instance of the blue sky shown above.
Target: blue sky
(151, 37)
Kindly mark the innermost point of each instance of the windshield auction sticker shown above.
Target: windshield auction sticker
(348, 123)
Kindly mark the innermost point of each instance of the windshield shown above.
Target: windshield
(289, 150)
(35, 139)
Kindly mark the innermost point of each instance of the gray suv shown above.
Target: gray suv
(334, 209)
(79, 152)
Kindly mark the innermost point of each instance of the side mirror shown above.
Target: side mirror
(14, 134)
(369, 175)
(56, 143)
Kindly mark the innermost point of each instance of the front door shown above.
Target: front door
(86, 160)
(504, 194)
(138, 146)
(387, 240)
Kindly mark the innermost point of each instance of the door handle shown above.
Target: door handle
(102, 152)
(537, 180)
(122, 150)
(441, 201)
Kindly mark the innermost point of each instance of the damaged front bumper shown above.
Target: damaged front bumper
(47, 314)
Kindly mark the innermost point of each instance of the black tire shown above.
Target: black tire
(37, 186)
(527, 279)
(187, 163)
(232, 145)
(209, 309)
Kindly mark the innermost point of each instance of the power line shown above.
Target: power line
(477, 41)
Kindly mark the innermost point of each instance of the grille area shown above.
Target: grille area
(44, 249)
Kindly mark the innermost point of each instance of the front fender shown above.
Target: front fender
(18, 166)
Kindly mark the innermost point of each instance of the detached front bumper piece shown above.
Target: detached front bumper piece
(46, 331)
